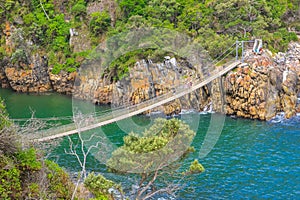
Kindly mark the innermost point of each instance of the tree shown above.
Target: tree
(79, 9)
(165, 11)
(132, 7)
(99, 23)
(241, 21)
(196, 16)
(81, 148)
(153, 155)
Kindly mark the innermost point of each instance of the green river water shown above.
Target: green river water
(251, 159)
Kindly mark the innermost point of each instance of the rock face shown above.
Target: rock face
(3, 79)
(32, 77)
(146, 80)
(27, 70)
(104, 5)
(257, 91)
(62, 82)
(265, 87)
(251, 91)
(35, 77)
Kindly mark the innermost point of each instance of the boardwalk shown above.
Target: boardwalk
(122, 113)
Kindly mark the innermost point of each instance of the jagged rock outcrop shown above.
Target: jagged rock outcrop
(27, 69)
(63, 82)
(250, 91)
(218, 95)
(32, 77)
(264, 88)
(35, 77)
(146, 80)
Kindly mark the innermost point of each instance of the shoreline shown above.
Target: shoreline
(279, 115)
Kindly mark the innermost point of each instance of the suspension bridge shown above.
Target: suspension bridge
(124, 112)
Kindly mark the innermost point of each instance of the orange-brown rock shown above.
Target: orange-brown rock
(259, 92)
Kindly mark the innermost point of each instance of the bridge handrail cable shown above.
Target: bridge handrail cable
(98, 113)
(119, 114)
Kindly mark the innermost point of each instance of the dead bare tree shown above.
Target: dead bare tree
(27, 133)
(8, 140)
(86, 143)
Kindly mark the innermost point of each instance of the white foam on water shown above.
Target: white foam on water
(278, 118)
(183, 111)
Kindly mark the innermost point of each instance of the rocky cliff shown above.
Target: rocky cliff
(146, 80)
(257, 91)
(268, 85)
(26, 69)
(35, 76)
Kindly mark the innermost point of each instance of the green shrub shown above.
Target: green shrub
(279, 40)
(70, 65)
(21, 170)
(98, 185)
(19, 56)
(60, 43)
(60, 185)
(71, 69)
(79, 9)
(57, 68)
(34, 191)
(99, 23)
(196, 167)
(28, 160)
(29, 18)
(10, 184)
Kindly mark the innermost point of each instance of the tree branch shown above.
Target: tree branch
(44, 10)
(150, 182)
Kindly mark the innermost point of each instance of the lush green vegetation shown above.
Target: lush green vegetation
(23, 172)
(158, 142)
(215, 24)
(99, 186)
(156, 152)
(43, 26)
(159, 150)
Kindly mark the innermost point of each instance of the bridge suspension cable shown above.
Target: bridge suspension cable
(216, 59)
(126, 110)
(122, 113)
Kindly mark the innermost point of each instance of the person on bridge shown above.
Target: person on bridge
(257, 48)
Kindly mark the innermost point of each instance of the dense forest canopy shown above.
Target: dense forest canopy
(216, 24)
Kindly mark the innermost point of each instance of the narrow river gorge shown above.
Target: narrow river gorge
(251, 160)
